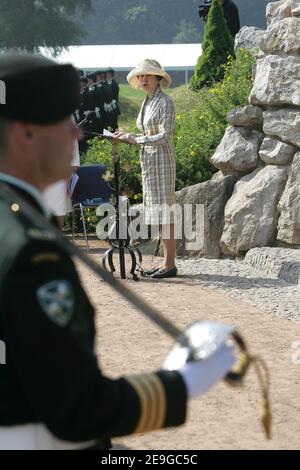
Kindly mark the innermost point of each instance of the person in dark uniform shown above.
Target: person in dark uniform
(232, 17)
(81, 113)
(89, 108)
(231, 14)
(112, 82)
(52, 393)
(109, 106)
(99, 100)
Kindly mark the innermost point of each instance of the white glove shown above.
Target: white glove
(200, 376)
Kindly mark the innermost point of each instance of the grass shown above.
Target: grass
(130, 104)
(131, 94)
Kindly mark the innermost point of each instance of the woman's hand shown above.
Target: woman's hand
(129, 138)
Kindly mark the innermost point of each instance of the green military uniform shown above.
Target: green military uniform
(51, 385)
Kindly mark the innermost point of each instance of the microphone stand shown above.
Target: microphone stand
(118, 244)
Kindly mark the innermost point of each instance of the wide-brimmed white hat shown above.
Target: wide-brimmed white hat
(148, 67)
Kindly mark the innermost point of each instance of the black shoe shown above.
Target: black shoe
(165, 273)
(149, 272)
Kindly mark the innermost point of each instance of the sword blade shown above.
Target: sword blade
(144, 307)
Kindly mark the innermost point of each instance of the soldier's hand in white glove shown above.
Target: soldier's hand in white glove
(200, 376)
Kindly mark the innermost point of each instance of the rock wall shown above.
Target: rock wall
(261, 148)
(254, 200)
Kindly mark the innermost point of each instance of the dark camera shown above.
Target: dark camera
(203, 9)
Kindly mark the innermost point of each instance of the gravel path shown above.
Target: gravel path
(241, 281)
(219, 290)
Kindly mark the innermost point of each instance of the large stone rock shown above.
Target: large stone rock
(249, 37)
(200, 219)
(289, 206)
(283, 123)
(277, 81)
(295, 5)
(277, 11)
(212, 195)
(246, 116)
(251, 213)
(275, 152)
(238, 150)
(283, 36)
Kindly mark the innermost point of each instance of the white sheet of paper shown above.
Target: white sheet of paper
(107, 133)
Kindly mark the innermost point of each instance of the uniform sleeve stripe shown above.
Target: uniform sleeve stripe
(152, 396)
(161, 400)
(139, 389)
(153, 403)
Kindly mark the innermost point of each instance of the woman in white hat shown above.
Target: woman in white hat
(156, 122)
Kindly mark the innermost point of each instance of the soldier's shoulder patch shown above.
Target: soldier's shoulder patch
(45, 257)
(56, 299)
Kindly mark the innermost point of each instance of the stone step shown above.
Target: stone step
(283, 263)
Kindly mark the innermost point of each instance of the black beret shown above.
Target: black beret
(38, 90)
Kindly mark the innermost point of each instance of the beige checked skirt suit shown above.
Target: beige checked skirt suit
(156, 122)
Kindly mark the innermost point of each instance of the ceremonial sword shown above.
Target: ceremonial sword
(200, 339)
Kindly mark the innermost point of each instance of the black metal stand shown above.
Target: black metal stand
(118, 244)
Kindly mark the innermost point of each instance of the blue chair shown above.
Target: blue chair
(90, 191)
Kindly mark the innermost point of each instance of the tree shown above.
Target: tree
(218, 44)
(31, 24)
(155, 21)
(186, 33)
(140, 21)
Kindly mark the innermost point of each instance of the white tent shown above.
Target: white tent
(122, 58)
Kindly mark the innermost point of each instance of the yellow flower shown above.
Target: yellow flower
(108, 176)
(126, 166)
(178, 117)
(193, 153)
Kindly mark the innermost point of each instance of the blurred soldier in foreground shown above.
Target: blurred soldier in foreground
(52, 393)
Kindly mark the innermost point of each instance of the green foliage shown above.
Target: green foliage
(186, 33)
(140, 21)
(156, 21)
(100, 151)
(32, 24)
(218, 44)
(202, 119)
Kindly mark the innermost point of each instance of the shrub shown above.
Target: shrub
(217, 45)
(201, 119)
(100, 151)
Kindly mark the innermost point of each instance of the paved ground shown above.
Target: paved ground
(224, 418)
